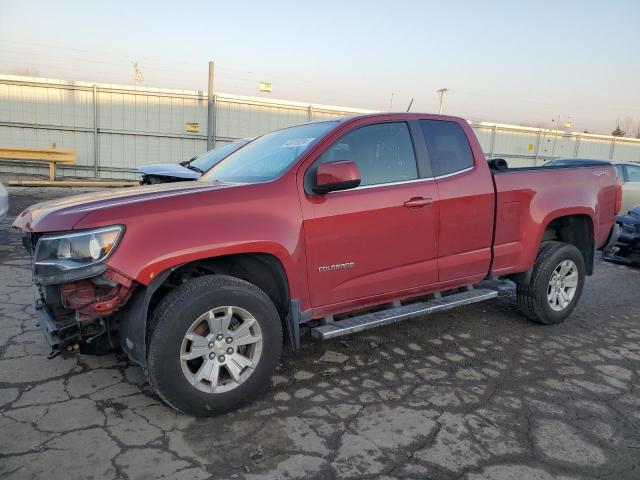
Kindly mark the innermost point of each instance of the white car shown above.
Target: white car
(191, 169)
(4, 201)
(627, 172)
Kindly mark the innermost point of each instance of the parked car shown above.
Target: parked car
(190, 169)
(338, 226)
(628, 173)
(627, 248)
(4, 201)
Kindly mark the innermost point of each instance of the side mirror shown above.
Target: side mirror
(332, 176)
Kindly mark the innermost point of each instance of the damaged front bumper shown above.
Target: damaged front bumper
(53, 333)
(82, 315)
(626, 248)
(61, 336)
(79, 294)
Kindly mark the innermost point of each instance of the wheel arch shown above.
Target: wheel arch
(263, 270)
(575, 229)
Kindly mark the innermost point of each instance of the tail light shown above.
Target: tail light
(618, 196)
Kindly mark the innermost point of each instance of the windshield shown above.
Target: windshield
(268, 157)
(207, 160)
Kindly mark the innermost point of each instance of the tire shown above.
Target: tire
(534, 298)
(151, 180)
(183, 384)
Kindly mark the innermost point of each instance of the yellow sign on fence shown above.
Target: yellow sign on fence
(193, 127)
(265, 87)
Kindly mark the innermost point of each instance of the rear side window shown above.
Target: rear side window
(383, 153)
(448, 147)
(633, 173)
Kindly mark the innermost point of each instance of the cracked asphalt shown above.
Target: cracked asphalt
(475, 393)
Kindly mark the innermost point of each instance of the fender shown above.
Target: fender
(133, 317)
(132, 321)
(153, 268)
(212, 222)
(554, 215)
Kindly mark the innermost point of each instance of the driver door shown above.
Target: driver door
(380, 237)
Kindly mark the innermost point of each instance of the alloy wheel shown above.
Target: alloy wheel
(562, 285)
(221, 349)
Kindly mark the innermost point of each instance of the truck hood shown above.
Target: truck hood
(169, 170)
(64, 213)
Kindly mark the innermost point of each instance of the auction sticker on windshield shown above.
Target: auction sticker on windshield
(298, 142)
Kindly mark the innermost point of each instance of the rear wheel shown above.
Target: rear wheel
(555, 285)
(214, 343)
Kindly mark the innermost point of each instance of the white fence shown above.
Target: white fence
(116, 128)
(526, 147)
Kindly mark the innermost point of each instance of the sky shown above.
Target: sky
(536, 63)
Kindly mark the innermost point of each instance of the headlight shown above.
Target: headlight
(67, 257)
(630, 227)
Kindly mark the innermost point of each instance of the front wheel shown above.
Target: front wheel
(214, 343)
(555, 286)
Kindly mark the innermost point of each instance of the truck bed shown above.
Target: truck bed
(527, 198)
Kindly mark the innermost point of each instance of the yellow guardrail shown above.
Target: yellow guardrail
(53, 156)
(73, 183)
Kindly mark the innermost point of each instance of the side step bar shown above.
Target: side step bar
(397, 314)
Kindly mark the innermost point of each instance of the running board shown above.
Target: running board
(397, 314)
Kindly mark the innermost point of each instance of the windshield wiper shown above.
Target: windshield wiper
(192, 167)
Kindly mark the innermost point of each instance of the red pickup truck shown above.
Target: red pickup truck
(336, 226)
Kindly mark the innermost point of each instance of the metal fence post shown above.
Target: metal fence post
(309, 113)
(96, 139)
(211, 130)
(535, 158)
(493, 141)
(577, 147)
(613, 147)
(215, 119)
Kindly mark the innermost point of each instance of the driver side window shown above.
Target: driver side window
(383, 152)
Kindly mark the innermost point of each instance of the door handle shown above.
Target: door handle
(418, 202)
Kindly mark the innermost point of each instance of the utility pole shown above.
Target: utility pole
(391, 103)
(442, 92)
(211, 131)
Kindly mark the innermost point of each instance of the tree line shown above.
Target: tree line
(627, 127)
